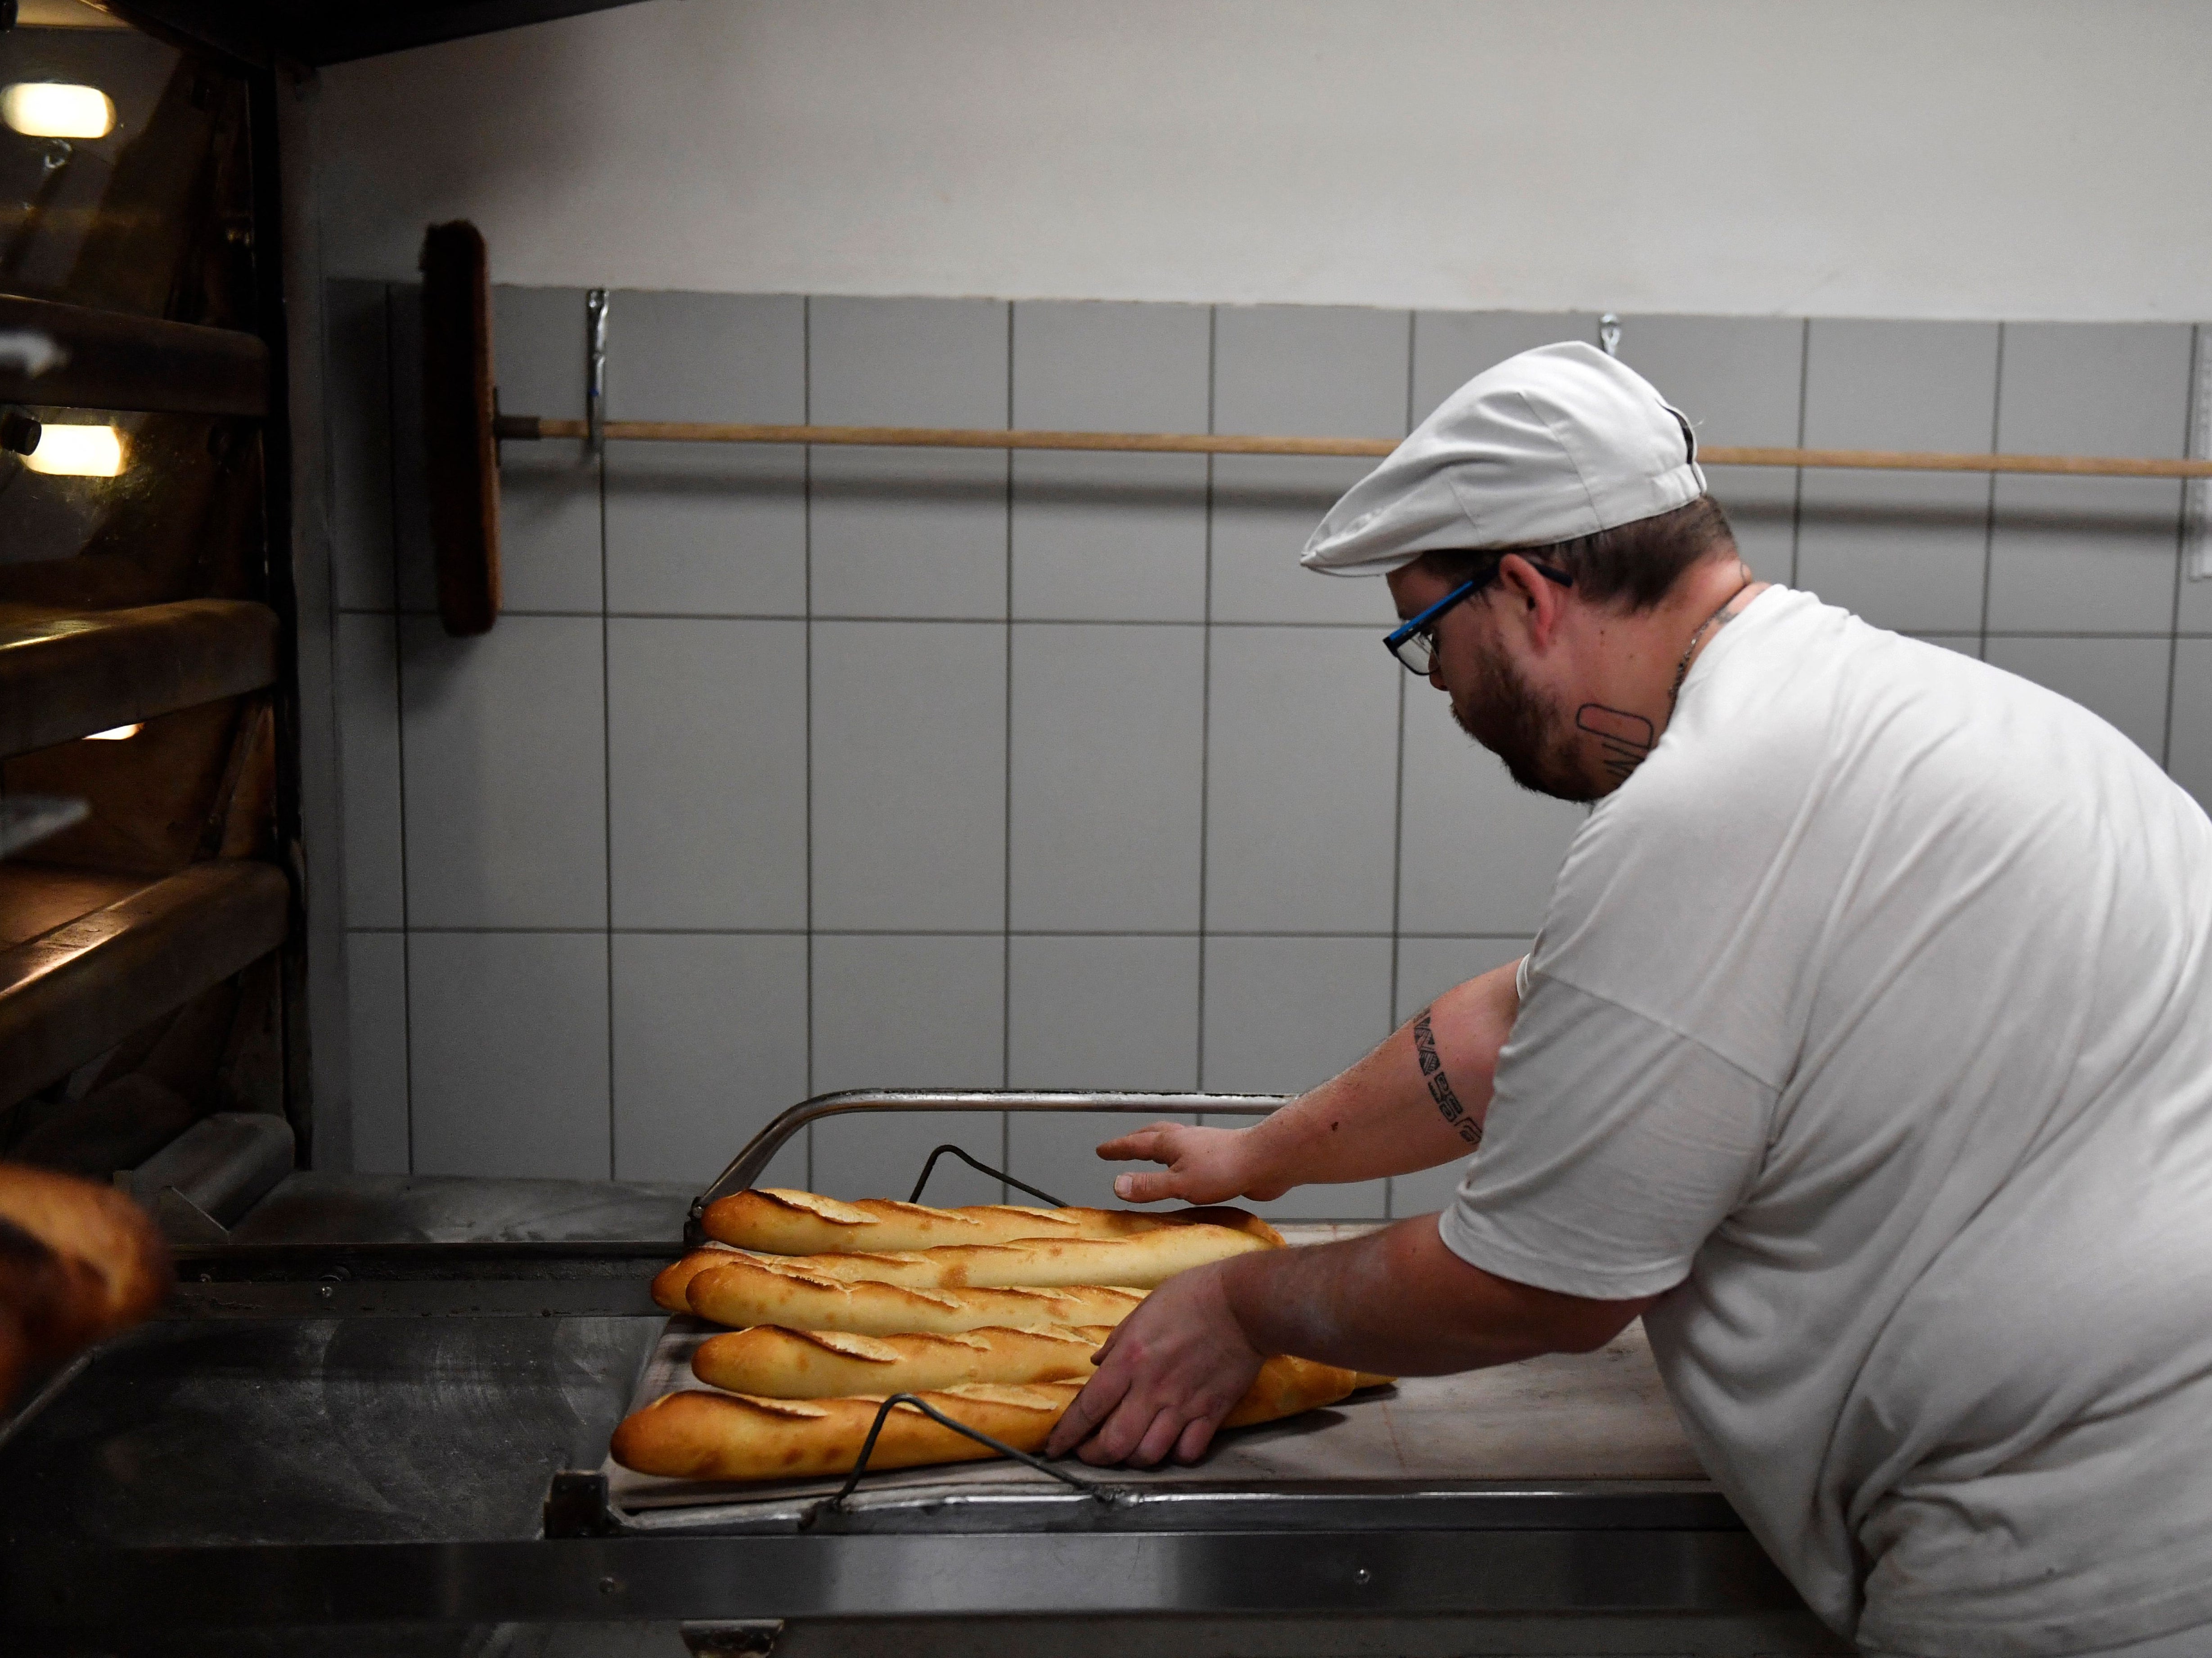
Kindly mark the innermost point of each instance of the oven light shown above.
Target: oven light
(87, 452)
(115, 734)
(55, 109)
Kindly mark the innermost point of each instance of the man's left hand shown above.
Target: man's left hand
(1166, 1377)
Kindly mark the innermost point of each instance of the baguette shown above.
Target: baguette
(672, 1282)
(1143, 1262)
(746, 1292)
(783, 1222)
(772, 1362)
(702, 1436)
(78, 1262)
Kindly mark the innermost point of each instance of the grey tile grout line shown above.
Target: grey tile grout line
(2190, 438)
(1205, 700)
(607, 776)
(807, 551)
(1797, 476)
(888, 620)
(1007, 799)
(1383, 936)
(399, 740)
(1378, 625)
(1990, 506)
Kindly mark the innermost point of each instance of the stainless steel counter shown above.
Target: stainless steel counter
(343, 1433)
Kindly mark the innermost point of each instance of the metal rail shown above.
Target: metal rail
(530, 427)
(747, 1166)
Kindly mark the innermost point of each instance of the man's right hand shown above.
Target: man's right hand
(1204, 1165)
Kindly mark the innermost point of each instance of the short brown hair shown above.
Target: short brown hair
(1636, 563)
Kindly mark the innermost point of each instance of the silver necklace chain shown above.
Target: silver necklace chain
(1682, 668)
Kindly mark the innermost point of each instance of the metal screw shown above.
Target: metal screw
(324, 1290)
(1362, 1576)
(608, 1585)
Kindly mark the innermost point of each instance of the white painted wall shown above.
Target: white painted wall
(1926, 158)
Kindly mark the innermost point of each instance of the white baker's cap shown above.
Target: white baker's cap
(1558, 442)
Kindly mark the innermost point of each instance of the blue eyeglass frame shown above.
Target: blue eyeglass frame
(1415, 627)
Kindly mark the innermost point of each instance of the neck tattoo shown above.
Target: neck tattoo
(1682, 668)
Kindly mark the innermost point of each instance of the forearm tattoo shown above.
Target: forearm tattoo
(1623, 739)
(1440, 1088)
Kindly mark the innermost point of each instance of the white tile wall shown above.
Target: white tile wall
(909, 775)
(551, 545)
(706, 773)
(908, 532)
(366, 688)
(1296, 371)
(506, 773)
(756, 791)
(709, 1045)
(2088, 555)
(1904, 550)
(1111, 537)
(1108, 730)
(707, 528)
(376, 1034)
(508, 1035)
(1302, 781)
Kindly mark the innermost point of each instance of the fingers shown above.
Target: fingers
(1093, 1406)
(1144, 1143)
(1148, 1186)
(1197, 1434)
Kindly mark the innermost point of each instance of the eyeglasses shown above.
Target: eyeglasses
(1414, 643)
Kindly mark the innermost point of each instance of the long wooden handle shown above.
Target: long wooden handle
(527, 427)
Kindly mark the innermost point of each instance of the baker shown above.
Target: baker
(1865, 1053)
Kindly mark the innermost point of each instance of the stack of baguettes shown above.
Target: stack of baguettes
(992, 1314)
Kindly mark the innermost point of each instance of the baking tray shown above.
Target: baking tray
(1598, 1416)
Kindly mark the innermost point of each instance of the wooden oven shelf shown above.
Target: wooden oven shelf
(76, 990)
(66, 675)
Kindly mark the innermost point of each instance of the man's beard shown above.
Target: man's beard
(1523, 728)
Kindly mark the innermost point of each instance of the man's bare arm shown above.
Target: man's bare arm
(1396, 1302)
(1417, 1101)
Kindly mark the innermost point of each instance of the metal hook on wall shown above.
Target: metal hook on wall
(1609, 334)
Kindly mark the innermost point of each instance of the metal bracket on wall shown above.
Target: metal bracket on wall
(595, 371)
(2197, 499)
(1609, 334)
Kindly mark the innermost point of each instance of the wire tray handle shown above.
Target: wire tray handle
(914, 1196)
(1098, 1491)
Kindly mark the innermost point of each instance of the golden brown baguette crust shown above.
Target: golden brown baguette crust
(99, 1226)
(773, 1363)
(747, 1293)
(701, 1435)
(671, 1283)
(780, 1221)
(1143, 1262)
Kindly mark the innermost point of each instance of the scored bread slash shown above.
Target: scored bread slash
(1142, 1262)
(780, 1220)
(728, 1435)
(744, 1292)
(776, 1362)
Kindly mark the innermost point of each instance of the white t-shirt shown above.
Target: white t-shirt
(1869, 1021)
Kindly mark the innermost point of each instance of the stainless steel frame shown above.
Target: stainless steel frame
(745, 1168)
(344, 1433)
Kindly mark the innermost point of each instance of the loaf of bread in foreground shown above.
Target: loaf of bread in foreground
(1143, 1262)
(783, 1222)
(745, 1292)
(702, 1436)
(774, 1362)
(78, 1262)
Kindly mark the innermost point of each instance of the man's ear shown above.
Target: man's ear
(1525, 595)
